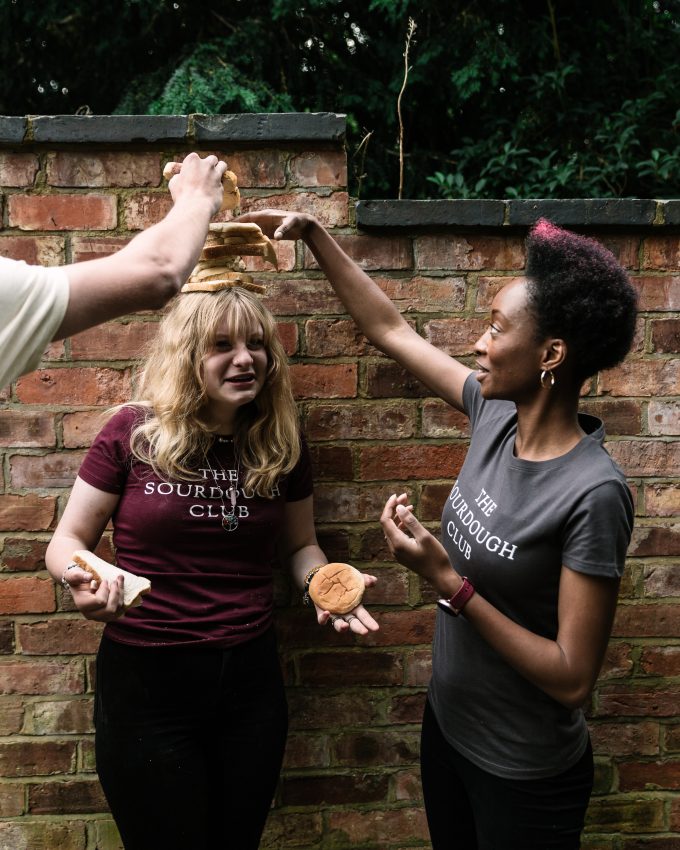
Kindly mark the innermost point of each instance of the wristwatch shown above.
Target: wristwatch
(459, 600)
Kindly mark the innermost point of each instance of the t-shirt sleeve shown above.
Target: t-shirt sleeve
(107, 464)
(598, 532)
(33, 301)
(300, 482)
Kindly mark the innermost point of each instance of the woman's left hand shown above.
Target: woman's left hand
(412, 544)
(358, 620)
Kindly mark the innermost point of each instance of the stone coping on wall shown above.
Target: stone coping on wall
(246, 128)
(570, 212)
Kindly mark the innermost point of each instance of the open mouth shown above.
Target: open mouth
(241, 379)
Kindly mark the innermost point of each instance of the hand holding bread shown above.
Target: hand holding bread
(337, 589)
(102, 591)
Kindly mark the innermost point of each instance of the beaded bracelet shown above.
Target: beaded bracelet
(64, 583)
(308, 578)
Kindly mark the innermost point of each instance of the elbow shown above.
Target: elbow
(574, 696)
(166, 283)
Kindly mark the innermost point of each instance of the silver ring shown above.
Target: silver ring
(350, 618)
(333, 619)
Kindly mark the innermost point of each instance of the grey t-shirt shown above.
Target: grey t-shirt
(510, 525)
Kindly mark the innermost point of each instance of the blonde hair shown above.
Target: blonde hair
(173, 436)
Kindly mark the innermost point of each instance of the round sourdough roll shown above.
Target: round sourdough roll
(337, 588)
(134, 587)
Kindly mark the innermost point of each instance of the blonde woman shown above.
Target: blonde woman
(206, 480)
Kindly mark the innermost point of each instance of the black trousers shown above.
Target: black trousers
(470, 809)
(189, 742)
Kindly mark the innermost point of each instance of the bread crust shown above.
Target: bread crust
(134, 586)
(337, 588)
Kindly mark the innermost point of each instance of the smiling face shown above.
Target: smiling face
(234, 371)
(509, 357)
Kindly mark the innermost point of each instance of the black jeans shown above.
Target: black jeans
(470, 809)
(189, 742)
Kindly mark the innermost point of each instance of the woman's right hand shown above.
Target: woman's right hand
(280, 224)
(95, 601)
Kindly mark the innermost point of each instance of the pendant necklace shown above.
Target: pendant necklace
(229, 518)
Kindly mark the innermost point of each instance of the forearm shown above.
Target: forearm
(302, 561)
(60, 551)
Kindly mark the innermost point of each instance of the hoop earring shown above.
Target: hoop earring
(544, 375)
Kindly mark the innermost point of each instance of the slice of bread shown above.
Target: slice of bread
(134, 587)
(337, 588)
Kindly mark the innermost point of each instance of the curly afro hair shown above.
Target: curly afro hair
(579, 293)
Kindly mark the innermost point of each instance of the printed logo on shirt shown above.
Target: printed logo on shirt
(471, 524)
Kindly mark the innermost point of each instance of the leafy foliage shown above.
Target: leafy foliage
(536, 98)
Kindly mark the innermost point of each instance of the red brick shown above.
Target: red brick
(355, 827)
(660, 661)
(26, 513)
(75, 386)
(647, 620)
(407, 786)
(113, 341)
(372, 253)
(41, 677)
(301, 297)
(26, 428)
(18, 169)
(332, 463)
(330, 209)
(336, 338)
(625, 739)
(375, 747)
(642, 378)
(11, 715)
(432, 500)
(37, 758)
(456, 337)
(365, 420)
(664, 418)
(43, 835)
(472, 254)
(258, 169)
(626, 249)
(618, 661)
(145, 208)
(320, 709)
(658, 293)
(71, 797)
(333, 789)
(34, 250)
(61, 717)
(6, 637)
(26, 595)
(62, 637)
(409, 462)
(325, 669)
(386, 379)
(661, 580)
(45, 471)
(326, 168)
(646, 457)
(63, 212)
(666, 336)
(317, 381)
(11, 801)
(488, 287)
(80, 429)
(100, 170)
(661, 252)
(289, 336)
(606, 814)
(442, 420)
(403, 628)
(654, 541)
(620, 416)
(306, 751)
(333, 503)
(418, 668)
(407, 708)
(294, 831)
(94, 247)
(662, 499)
(648, 776)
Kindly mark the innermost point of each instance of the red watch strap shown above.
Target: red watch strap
(461, 597)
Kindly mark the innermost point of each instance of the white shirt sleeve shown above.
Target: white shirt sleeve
(33, 301)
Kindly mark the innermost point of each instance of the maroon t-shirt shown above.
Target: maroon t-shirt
(208, 586)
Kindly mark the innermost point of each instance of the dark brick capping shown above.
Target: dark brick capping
(130, 129)
(570, 212)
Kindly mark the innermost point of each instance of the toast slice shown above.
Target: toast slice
(134, 587)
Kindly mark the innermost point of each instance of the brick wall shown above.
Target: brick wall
(75, 188)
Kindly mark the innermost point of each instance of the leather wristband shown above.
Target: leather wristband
(459, 600)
